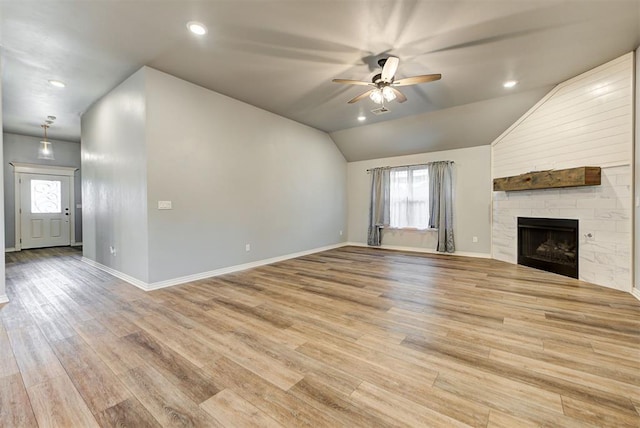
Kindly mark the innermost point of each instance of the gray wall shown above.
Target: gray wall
(472, 181)
(114, 185)
(236, 175)
(24, 149)
(2, 276)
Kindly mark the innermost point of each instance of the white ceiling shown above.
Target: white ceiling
(281, 56)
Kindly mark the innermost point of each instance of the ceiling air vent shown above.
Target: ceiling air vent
(381, 110)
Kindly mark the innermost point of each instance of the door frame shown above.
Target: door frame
(26, 168)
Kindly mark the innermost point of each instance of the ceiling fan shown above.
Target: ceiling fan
(384, 85)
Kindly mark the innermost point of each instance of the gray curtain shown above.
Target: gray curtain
(441, 204)
(379, 208)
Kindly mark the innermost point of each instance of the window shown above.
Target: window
(46, 197)
(409, 197)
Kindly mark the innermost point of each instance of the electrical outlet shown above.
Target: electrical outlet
(475, 239)
(340, 233)
(112, 250)
(247, 247)
(164, 205)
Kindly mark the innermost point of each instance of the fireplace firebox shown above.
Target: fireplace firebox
(549, 244)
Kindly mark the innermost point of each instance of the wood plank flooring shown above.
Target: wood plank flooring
(352, 337)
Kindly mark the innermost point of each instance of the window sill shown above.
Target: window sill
(410, 229)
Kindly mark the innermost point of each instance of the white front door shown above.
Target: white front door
(44, 210)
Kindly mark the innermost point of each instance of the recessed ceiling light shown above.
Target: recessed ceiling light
(197, 28)
(362, 118)
(57, 83)
(510, 83)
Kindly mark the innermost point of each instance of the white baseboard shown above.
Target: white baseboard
(123, 276)
(14, 249)
(181, 280)
(423, 250)
(4, 298)
(195, 277)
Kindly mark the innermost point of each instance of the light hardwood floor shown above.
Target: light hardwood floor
(349, 337)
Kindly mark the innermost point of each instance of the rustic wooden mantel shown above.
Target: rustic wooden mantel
(572, 177)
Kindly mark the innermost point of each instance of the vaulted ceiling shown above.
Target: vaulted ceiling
(282, 55)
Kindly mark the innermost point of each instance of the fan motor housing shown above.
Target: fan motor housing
(377, 80)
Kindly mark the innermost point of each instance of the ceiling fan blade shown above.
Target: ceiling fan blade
(399, 95)
(417, 79)
(361, 96)
(352, 82)
(390, 68)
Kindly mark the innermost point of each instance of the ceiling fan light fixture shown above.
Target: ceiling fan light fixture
(384, 84)
(376, 96)
(197, 28)
(388, 94)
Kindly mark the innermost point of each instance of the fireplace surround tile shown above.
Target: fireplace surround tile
(604, 211)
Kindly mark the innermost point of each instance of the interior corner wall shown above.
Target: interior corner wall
(114, 184)
(24, 149)
(236, 175)
(472, 194)
(3, 296)
(637, 177)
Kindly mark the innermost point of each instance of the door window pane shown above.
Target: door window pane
(46, 197)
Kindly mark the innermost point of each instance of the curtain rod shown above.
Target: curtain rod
(405, 166)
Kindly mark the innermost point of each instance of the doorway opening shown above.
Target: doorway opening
(44, 201)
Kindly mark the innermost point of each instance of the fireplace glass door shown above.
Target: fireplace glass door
(549, 244)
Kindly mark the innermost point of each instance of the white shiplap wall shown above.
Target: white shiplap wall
(586, 121)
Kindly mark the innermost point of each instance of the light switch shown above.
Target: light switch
(164, 205)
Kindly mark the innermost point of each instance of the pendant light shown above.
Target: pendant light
(46, 148)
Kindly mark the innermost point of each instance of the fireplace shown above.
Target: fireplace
(549, 244)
